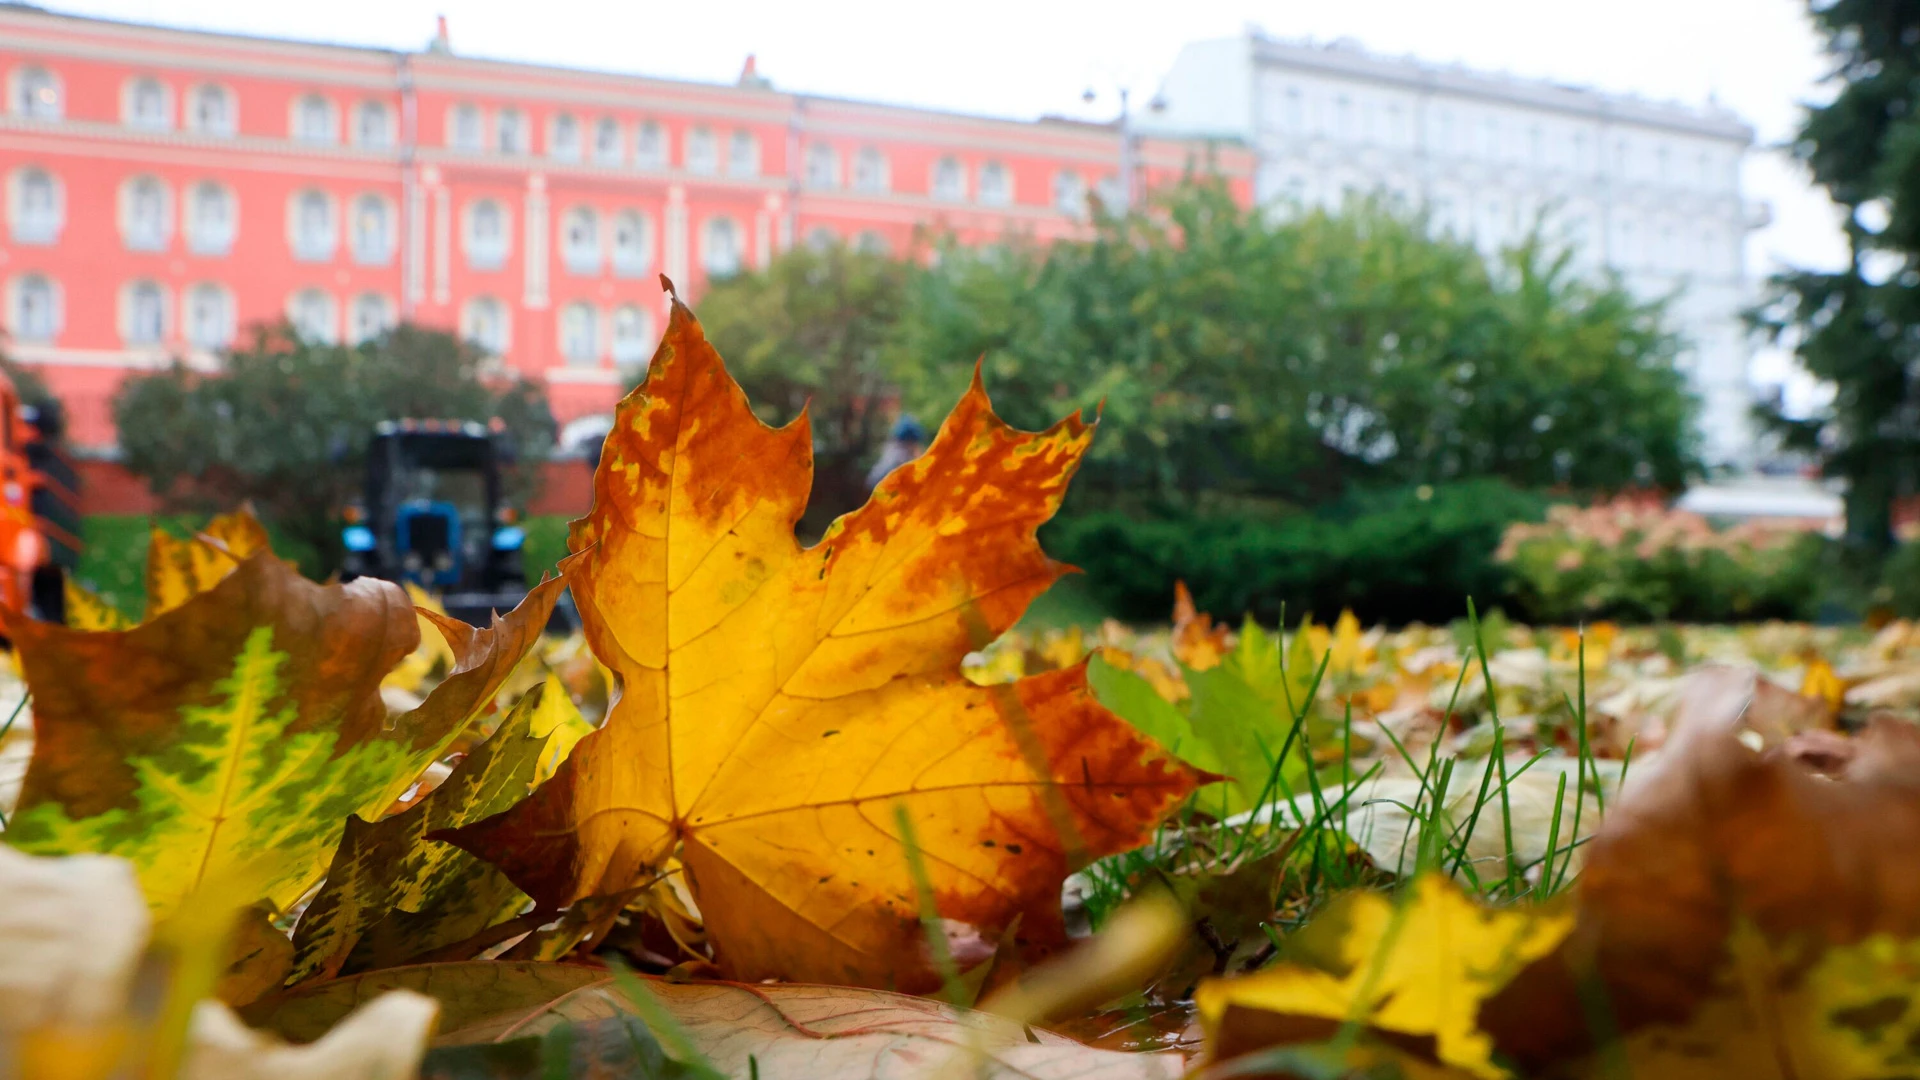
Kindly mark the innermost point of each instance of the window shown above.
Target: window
(373, 124)
(579, 334)
(311, 313)
(632, 335)
(650, 146)
(36, 309)
(743, 154)
(36, 211)
(146, 105)
(580, 240)
(563, 138)
(510, 131)
(313, 120)
(702, 155)
(210, 219)
(314, 233)
(372, 231)
(486, 235)
(870, 170)
(465, 131)
(949, 180)
(211, 111)
(1296, 110)
(36, 93)
(1113, 194)
(144, 223)
(822, 238)
(143, 314)
(872, 243)
(632, 243)
(1070, 193)
(209, 317)
(372, 316)
(996, 184)
(484, 322)
(720, 245)
(606, 141)
(823, 166)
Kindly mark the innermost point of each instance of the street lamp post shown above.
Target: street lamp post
(1128, 150)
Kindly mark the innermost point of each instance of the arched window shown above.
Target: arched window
(510, 131)
(1070, 193)
(372, 316)
(312, 315)
(563, 138)
(606, 141)
(313, 120)
(703, 155)
(147, 105)
(145, 223)
(209, 316)
(822, 238)
(372, 230)
(486, 235)
(143, 314)
(996, 184)
(823, 166)
(465, 130)
(632, 243)
(314, 231)
(36, 309)
(632, 335)
(484, 323)
(949, 180)
(870, 170)
(211, 110)
(373, 124)
(743, 154)
(37, 210)
(580, 334)
(872, 243)
(580, 240)
(720, 247)
(650, 145)
(211, 219)
(36, 94)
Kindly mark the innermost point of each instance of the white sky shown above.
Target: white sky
(1022, 58)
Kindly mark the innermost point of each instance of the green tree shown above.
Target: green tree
(1243, 356)
(809, 332)
(1859, 327)
(284, 422)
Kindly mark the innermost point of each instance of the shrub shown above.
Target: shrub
(1635, 560)
(1398, 556)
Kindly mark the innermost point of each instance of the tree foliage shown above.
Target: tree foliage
(284, 422)
(1240, 354)
(1858, 327)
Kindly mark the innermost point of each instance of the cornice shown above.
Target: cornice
(120, 143)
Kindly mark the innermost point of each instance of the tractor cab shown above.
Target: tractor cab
(433, 513)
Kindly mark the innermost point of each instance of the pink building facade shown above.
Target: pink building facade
(165, 190)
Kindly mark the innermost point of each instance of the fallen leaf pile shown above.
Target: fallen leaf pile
(770, 793)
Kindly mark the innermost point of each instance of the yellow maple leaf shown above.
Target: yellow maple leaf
(1418, 969)
(778, 703)
(558, 721)
(180, 569)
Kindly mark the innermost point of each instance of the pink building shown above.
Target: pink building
(165, 189)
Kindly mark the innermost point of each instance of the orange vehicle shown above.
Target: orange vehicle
(23, 546)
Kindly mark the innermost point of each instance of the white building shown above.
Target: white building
(1651, 190)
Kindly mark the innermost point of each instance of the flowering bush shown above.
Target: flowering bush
(1636, 559)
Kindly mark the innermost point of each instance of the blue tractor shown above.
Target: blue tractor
(434, 514)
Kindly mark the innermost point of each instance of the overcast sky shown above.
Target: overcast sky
(1023, 58)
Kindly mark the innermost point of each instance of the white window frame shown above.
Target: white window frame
(227, 123)
(357, 332)
(382, 253)
(510, 135)
(380, 137)
(605, 153)
(632, 335)
(471, 330)
(995, 184)
(142, 192)
(823, 166)
(327, 334)
(703, 151)
(564, 137)
(491, 255)
(457, 135)
(652, 145)
(47, 102)
(303, 120)
(30, 228)
(318, 246)
(947, 179)
(201, 237)
(743, 154)
(131, 316)
(580, 315)
(631, 260)
(17, 322)
(720, 263)
(1070, 192)
(582, 241)
(190, 321)
(871, 172)
(132, 99)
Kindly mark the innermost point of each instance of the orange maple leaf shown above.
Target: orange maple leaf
(778, 703)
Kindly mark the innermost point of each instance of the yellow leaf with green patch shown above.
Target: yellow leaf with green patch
(1414, 972)
(87, 611)
(179, 569)
(238, 731)
(399, 894)
(558, 721)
